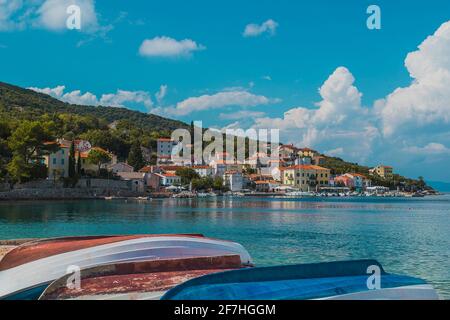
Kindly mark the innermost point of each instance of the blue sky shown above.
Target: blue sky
(225, 78)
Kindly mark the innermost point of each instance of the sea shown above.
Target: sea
(408, 236)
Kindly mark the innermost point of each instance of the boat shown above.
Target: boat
(147, 280)
(27, 270)
(347, 280)
(300, 194)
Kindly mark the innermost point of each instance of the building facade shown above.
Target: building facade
(385, 172)
(164, 149)
(58, 163)
(305, 177)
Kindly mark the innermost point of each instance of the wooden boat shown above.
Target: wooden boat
(26, 271)
(336, 280)
(147, 280)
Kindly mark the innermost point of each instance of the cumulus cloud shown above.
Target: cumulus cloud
(46, 14)
(218, 101)
(339, 119)
(122, 98)
(168, 47)
(52, 15)
(254, 30)
(408, 127)
(425, 103)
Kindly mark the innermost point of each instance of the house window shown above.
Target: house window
(62, 161)
(62, 151)
(54, 161)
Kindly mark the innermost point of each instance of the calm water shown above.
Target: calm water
(408, 236)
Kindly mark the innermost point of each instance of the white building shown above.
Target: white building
(169, 179)
(234, 180)
(203, 171)
(120, 167)
(164, 150)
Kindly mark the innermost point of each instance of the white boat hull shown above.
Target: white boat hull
(45, 270)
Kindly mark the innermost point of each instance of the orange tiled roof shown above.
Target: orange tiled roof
(169, 174)
(304, 167)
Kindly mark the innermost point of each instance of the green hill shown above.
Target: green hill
(28, 104)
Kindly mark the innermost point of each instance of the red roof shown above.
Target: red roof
(201, 167)
(304, 167)
(169, 174)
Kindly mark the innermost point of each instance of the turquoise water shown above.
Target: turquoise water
(408, 236)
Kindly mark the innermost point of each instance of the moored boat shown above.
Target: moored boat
(27, 270)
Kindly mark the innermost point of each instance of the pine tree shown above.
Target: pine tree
(79, 164)
(72, 172)
(135, 157)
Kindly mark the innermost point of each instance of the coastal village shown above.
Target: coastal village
(297, 172)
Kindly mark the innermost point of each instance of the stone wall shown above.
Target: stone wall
(85, 189)
(104, 184)
(65, 194)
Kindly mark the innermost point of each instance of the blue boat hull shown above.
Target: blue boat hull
(308, 281)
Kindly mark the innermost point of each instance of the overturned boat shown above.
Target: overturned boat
(27, 271)
(348, 280)
(148, 280)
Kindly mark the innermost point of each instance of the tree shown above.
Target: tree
(186, 175)
(72, 172)
(98, 157)
(79, 164)
(29, 142)
(135, 157)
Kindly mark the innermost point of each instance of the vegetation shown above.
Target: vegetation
(29, 119)
(98, 157)
(187, 175)
(208, 183)
(339, 166)
(135, 158)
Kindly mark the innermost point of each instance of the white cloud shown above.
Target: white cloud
(253, 30)
(161, 94)
(425, 104)
(122, 98)
(218, 101)
(335, 152)
(268, 78)
(52, 15)
(432, 148)
(339, 119)
(241, 114)
(46, 14)
(409, 128)
(168, 47)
